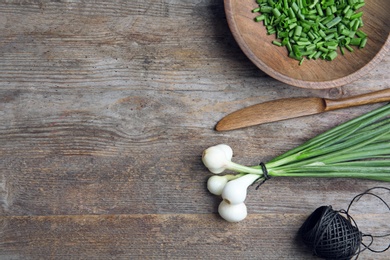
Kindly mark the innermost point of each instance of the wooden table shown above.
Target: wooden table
(105, 109)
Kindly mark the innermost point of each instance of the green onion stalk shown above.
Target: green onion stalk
(359, 148)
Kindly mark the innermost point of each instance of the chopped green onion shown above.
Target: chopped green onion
(331, 55)
(363, 43)
(361, 34)
(342, 50)
(356, 15)
(276, 12)
(260, 18)
(266, 9)
(319, 9)
(298, 31)
(355, 41)
(349, 48)
(302, 23)
(358, 6)
(317, 55)
(277, 43)
(335, 21)
(311, 47)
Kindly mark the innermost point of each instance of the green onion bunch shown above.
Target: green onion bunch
(359, 148)
(314, 29)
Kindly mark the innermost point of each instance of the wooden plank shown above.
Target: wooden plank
(168, 236)
(76, 172)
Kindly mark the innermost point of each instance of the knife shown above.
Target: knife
(287, 108)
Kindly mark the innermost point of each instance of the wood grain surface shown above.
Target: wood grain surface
(105, 109)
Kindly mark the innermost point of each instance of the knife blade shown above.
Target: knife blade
(288, 108)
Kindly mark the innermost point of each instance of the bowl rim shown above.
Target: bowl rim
(297, 82)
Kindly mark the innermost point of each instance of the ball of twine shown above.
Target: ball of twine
(334, 237)
(330, 235)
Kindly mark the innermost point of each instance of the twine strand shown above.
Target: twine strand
(357, 198)
(265, 173)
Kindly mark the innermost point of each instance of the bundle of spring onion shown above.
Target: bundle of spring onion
(359, 148)
(313, 28)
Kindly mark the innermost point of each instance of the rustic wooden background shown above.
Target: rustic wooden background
(105, 109)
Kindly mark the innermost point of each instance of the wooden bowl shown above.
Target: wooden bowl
(315, 74)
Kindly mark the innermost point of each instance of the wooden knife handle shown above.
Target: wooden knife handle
(364, 99)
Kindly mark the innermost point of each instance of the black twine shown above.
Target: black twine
(265, 173)
(332, 236)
